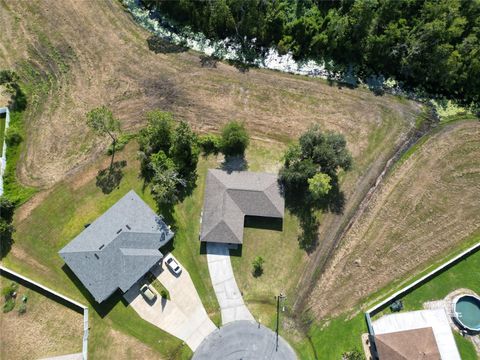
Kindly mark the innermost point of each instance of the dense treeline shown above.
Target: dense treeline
(430, 45)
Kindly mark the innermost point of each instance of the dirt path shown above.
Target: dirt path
(426, 207)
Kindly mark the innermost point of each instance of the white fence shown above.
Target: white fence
(81, 307)
(3, 161)
(418, 282)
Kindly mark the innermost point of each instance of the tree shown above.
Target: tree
(158, 133)
(166, 181)
(184, 150)
(210, 144)
(258, 266)
(7, 209)
(319, 185)
(102, 121)
(235, 139)
(316, 152)
(156, 136)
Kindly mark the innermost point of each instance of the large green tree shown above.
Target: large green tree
(428, 45)
(235, 139)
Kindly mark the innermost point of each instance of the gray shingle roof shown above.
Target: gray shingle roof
(231, 196)
(118, 248)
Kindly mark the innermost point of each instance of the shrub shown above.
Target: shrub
(8, 291)
(13, 137)
(235, 139)
(210, 144)
(164, 294)
(258, 266)
(353, 355)
(22, 309)
(9, 305)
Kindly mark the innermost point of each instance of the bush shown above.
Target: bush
(210, 144)
(13, 137)
(9, 305)
(353, 355)
(164, 294)
(22, 309)
(258, 266)
(8, 291)
(235, 139)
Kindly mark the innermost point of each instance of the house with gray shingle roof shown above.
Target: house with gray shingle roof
(229, 197)
(118, 248)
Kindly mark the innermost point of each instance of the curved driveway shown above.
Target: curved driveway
(221, 273)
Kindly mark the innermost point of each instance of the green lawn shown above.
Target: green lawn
(462, 275)
(71, 205)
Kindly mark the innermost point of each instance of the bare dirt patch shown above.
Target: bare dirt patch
(425, 208)
(46, 329)
(77, 55)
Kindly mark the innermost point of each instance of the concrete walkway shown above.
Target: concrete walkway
(221, 273)
(182, 316)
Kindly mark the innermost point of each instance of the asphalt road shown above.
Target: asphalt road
(244, 340)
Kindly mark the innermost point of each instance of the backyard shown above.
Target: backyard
(46, 329)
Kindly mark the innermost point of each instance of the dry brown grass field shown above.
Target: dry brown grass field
(46, 329)
(76, 55)
(428, 206)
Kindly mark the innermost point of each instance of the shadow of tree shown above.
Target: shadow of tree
(302, 205)
(208, 61)
(161, 45)
(234, 163)
(108, 179)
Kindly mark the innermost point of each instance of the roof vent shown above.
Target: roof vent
(97, 256)
(128, 227)
(119, 231)
(101, 247)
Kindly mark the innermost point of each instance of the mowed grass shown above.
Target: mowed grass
(62, 215)
(463, 274)
(46, 329)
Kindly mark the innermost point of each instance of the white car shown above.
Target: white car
(172, 264)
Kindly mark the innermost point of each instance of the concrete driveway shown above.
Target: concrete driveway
(182, 316)
(221, 273)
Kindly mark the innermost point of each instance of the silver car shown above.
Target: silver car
(173, 265)
(148, 293)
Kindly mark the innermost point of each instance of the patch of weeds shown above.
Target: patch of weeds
(9, 305)
(14, 191)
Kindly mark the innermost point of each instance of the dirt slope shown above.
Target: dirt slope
(426, 207)
(75, 55)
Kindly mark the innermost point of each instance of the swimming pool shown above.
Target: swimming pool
(467, 311)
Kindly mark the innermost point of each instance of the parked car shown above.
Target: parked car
(148, 293)
(172, 264)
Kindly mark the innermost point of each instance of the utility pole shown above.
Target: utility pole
(282, 296)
